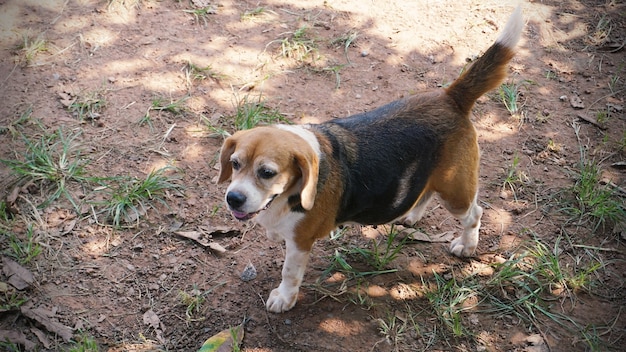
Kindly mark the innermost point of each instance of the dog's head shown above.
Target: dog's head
(265, 163)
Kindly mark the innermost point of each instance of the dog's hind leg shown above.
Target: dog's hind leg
(416, 214)
(458, 189)
(465, 245)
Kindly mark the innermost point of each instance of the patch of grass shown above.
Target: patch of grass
(602, 32)
(547, 266)
(146, 120)
(393, 329)
(214, 127)
(516, 289)
(87, 107)
(11, 300)
(360, 298)
(550, 74)
(196, 73)
(510, 95)
(590, 201)
(52, 162)
(345, 41)
(5, 214)
(338, 233)
(30, 48)
(592, 338)
(514, 177)
(10, 346)
(613, 83)
(527, 287)
(250, 114)
(192, 301)
(554, 146)
(527, 282)
(202, 14)
(621, 144)
(384, 252)
(602, 116)
(22, 250)
(23, 118)
(256, 12)
(175, 107)
(84, 343)
(335, 70)
(130, 198)
(338, 262)
(448, 300)
(298, 45)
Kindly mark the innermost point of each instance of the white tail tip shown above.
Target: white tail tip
(513, 29)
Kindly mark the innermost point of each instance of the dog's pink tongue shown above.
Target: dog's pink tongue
(239, 215)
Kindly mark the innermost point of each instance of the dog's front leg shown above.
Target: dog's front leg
(285, 296)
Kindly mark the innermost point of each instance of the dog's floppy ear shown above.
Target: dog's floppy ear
(308, 162)
(226, 170)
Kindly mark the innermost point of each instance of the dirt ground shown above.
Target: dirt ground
(132, 288)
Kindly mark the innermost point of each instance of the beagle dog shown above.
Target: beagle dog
(301, 182)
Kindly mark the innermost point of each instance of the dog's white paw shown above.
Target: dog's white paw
(463, 249)
(408, 221)
(279, 302)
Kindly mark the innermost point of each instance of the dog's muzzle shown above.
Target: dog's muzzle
(236, 200)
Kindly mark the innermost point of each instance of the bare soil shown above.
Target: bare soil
(124, 287)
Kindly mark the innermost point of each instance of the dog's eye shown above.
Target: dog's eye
(236, 164)
(266, 173)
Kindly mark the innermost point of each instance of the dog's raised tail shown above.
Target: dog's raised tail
(490, 69)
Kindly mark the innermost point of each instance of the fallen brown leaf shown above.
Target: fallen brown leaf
(17, 337)
(204, 238)
(591, 120)
(43, 317)
(152, 319)
(45, 341)
(19, 277)
(412, 234)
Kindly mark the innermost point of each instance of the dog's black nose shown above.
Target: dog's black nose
(235, 199)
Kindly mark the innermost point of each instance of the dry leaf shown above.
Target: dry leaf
(415, 235)
(152, 319)
(576, 102)
(217, 247)
(204, 239)
(591, 120)
(43, 317)
(11, 199)
(45, 341)
(67, 98)
(17, 337)
(194, 235)
(220, 231)
(225, 340)
(19, 277)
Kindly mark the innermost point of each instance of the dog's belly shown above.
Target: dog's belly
(377, 193)
(368, 209)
